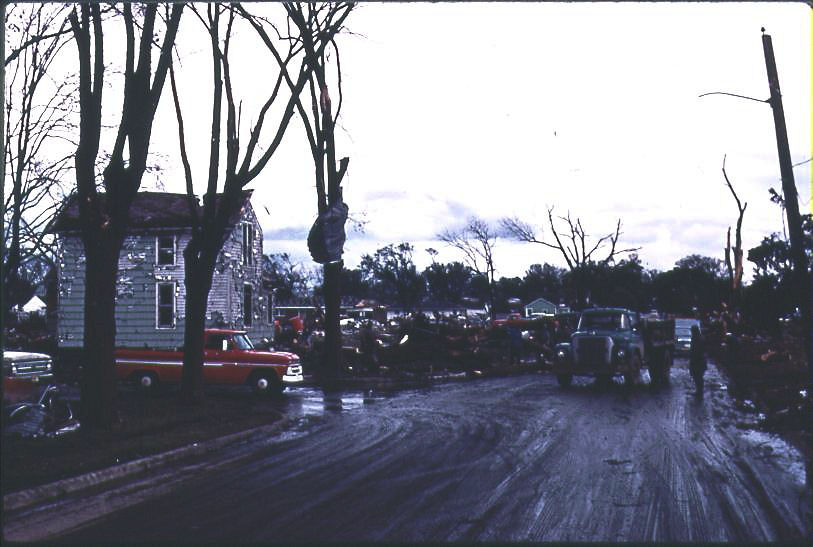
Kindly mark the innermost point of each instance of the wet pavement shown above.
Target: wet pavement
(501, 459)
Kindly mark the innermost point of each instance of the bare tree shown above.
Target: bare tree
(104, 215)
(573, 242)
(734, 270)
(212, 223)
(39, 111)
(317, 26)
(48, 32)
(476, 240)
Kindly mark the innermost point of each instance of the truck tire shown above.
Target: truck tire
(633, 375)
(656, 374)
(145, 381)
(564, 379)
(263, 382)
(660, 371)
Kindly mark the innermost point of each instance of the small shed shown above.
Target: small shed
(33, 308)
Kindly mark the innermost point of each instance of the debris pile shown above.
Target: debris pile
(771, 371)
(419, 345)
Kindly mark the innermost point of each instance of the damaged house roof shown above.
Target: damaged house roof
(148, 210)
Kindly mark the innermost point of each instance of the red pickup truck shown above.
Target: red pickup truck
(229, 358)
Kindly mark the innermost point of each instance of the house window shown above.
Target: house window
(165, 250)
(248, 311)
(165, 305)
(248, 243)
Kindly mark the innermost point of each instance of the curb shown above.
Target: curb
(60, 488)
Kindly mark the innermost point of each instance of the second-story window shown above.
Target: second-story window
(165, 250)
(248, 243)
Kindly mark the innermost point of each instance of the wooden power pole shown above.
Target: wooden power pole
(802, 281)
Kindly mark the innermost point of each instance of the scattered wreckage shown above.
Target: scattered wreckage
(48, 415)
(33, 406)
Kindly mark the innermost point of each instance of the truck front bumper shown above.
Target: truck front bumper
(617, 366)
(293, 375)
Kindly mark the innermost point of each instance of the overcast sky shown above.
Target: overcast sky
(494, 110)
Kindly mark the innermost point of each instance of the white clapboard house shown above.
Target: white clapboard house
(150, 291)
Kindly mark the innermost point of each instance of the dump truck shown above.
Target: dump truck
(616, 341)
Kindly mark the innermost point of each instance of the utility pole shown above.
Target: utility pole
(802, 281)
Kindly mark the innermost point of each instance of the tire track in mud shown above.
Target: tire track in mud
(507, 459)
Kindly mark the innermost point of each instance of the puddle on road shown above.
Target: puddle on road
(312, 402)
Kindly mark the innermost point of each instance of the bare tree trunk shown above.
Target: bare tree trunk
(735, 270)
(105, 217)
(12, 272)
(579, 283)
(3, 296)
(333, 334)
(98, 387)
(212, 223)
(198, 281)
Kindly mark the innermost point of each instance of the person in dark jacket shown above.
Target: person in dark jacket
(368, 346)
(514, 345)
(697, 360)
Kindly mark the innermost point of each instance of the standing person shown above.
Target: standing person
(514, 345)
(697, 360)
(368, 346)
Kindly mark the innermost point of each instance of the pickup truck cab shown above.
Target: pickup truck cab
(229, 358)
(615, 341)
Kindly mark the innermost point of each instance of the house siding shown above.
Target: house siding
(138, 274)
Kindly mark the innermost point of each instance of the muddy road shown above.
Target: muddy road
(499, 459)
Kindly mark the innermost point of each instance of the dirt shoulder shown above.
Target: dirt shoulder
(148, 425)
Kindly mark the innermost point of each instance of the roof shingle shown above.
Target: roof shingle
(149, 210)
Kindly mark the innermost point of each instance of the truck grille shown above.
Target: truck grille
(593, 351)
(33, 368)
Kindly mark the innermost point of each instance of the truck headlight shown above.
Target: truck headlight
(621, 353)
(48, 366)
(14, 369)
(561, 354)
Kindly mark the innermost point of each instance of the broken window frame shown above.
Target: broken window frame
(159, 306)
(158, 249)
(248, 243)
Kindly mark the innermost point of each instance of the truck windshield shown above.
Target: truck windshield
(242, 342)
(607, 321)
